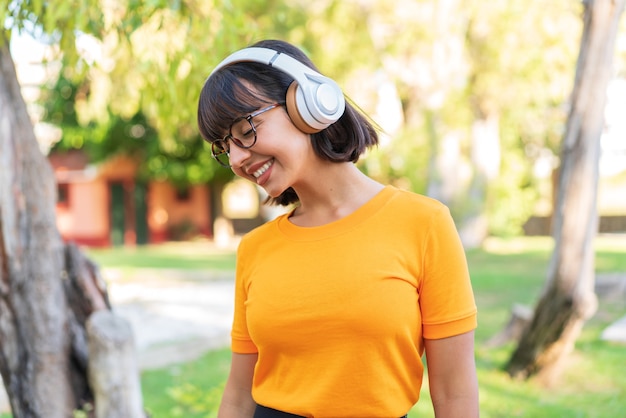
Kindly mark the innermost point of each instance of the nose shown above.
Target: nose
(238, 156)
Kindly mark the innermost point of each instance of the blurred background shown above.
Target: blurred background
(472, 101)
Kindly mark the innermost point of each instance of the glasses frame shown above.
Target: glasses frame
(222, 146)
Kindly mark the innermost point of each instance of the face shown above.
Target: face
(278, 158)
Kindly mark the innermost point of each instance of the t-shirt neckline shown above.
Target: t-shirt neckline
(314, 233)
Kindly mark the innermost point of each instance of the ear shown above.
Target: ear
(293, 111)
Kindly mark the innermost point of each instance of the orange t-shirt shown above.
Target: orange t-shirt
(338, 313)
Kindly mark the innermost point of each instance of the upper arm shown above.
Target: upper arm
(452, 375)
(237, 400)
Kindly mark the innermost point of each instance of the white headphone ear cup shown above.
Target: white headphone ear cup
(294, 111)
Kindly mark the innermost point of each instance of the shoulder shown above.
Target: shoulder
(415, 204)
(419, 214)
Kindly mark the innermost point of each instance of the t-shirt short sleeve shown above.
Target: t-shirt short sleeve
(446, 297)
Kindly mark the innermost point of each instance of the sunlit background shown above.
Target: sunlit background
(471, 102)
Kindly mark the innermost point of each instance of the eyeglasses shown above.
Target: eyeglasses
(242, 133)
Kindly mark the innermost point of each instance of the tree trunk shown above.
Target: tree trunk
(113, 370)
(486, 160)
(48, 290)
(34, 340)
(568, 299)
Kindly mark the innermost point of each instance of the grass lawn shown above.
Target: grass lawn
(200, 255)
(503, 273)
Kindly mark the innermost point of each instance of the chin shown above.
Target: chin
(274, 193)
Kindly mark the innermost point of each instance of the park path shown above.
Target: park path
(611, 287)
(176, 315)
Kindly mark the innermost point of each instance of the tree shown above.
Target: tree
(568, 298)
(48, 290)
(33, 364)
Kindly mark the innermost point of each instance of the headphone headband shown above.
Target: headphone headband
(318, 100)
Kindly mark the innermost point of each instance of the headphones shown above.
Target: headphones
(314, 101)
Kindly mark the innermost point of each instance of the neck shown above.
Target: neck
(337, 192)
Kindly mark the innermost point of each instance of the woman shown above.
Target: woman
(337, 300)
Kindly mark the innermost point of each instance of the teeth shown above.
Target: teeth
(262, 170)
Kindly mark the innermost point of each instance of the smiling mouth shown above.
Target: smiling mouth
(263, 169)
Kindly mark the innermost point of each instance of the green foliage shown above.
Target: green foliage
(147, 60)
(174, 255)
(183, 163)
(403, 161)
(58, 20)
(147, 63)
(512, 197)
(192, 400)
(522, 69)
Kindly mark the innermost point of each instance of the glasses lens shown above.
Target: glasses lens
(219, 149)
(243, 133)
